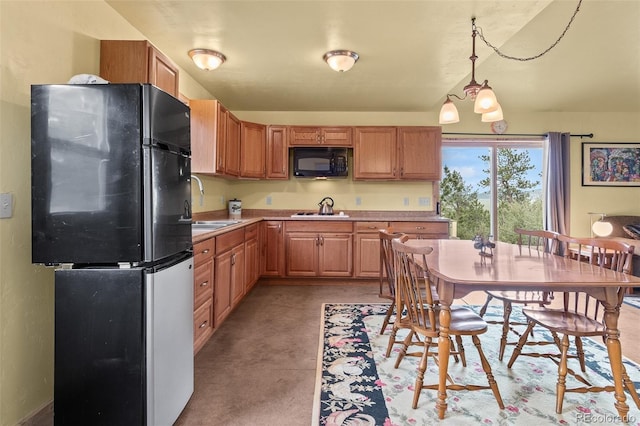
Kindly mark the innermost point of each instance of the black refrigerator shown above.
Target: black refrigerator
(111, 210)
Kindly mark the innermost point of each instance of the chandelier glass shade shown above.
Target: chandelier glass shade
(207, 59)
(341, 60)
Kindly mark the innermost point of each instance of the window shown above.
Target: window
(489, 187)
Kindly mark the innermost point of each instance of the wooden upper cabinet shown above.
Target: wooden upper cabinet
(374, 153)
(392, 153)
(419, 153)
(324, 136)
(232, 154)
(277, 163)
(252, 150)
(208, 133)
(137, 61)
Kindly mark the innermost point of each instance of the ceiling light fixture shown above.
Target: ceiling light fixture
(341, 60)
(485, 100)
(206, 59)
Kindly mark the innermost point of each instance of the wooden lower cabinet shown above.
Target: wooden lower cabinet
(319, 249)
(272, 249)
(422, 230)
(252, 257)
(229, 274)
(367, 249)
(203, 293)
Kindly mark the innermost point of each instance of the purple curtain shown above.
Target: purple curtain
(556, 190)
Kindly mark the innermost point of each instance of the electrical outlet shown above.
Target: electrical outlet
(222, 199)
(406, 201)
(424, 201)
(358, 201)
(268, 200)
(6, 205)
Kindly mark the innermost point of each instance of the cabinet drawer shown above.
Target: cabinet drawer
(229, 240)
(318, 226)
(251, 232)
(202, 324)
(437, 228)
(373, 227)
(203, 250)
(203, 283)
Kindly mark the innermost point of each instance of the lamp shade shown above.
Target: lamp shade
(340, 60)
(601, 228)
(449, 113)
(206, 59)
(485, 100)
(496, 115)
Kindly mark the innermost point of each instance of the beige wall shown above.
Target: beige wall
(49, 41)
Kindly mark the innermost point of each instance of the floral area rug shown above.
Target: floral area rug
(633, 300)
(357, 385)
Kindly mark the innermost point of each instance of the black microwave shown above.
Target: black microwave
(320, 162)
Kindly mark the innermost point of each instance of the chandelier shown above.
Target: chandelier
(486, 102)
(485, 99)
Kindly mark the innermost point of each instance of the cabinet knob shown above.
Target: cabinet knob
(204, 283)
(203, 325)
(205, 251)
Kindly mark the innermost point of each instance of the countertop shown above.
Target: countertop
(253, 216)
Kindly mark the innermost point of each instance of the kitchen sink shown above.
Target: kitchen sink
(213, 224)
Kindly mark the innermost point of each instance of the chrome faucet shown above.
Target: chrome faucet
(201, 188)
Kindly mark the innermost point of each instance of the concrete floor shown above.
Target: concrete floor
(259, 368)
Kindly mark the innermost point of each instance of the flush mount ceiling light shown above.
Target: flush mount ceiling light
(206, 59)
(341, 60)
(485, 100)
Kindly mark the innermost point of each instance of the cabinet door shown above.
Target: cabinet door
(252, 264)
(419, 151)
(374, 153)
(237, 274)
(277, 164)
(272, 255)
(162, 72)
(222, 289)
(252, 149)
(302, 254)
(232, 155)
(222, 124)
(336, 136)
(304, 136)
(367, 257)
(335, 255)
(204, 136)
(423, 230)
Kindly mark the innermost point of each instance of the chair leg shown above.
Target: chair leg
(483, 310)
(562, 374)
(420, 376)
(405, 346)
(521, 342)
(460, 347)
(487, 369)
(630, 386)
(506, 312)
(392, 338)
(387, 317)
(580, 353)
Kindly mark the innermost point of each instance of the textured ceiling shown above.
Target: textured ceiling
(412, 53)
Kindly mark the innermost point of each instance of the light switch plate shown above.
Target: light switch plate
(6, 205)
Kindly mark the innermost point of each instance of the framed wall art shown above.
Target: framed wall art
(610, 164)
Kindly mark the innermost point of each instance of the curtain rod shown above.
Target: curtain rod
(587, 135)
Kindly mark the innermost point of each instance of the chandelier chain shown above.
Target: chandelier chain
(515, 58)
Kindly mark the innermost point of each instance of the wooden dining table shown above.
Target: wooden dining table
(457, 268)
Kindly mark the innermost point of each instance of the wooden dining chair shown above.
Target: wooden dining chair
(387, 276)
(414, 287)
(580, 316)
(530, 242)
